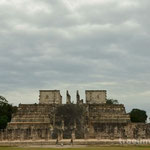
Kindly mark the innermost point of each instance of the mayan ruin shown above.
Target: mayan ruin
(100, 120)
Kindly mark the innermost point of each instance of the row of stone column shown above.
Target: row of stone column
(31, 134)
(25, 134)
(60, 135)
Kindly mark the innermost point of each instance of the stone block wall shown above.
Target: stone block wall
(95, 96)
(50, 97)
(119, 131)
(100, 120)
(105, 113)
(32, 121)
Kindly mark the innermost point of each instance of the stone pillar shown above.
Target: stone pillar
(78, 97)
(22, 134)
(49, 134)
(13, 135)
(51, 131)
(116, 132)
(58, 136)
(61, 134)
(73, 134)
(53, 117)
(9, 135)
(6, 134)
(32, 133)
(18, 133)
(68, 98)
(85, 136)
(46, 134)
(62, 129)
(63, 125)
(86, 131)
(1, 135)
(28, 134)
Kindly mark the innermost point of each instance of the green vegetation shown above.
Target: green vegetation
(138, 115)
(73, 117)
(111, 101)
(70, 113)
(83, 148)
(6, 111)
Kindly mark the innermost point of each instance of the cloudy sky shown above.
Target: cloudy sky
(75, 44)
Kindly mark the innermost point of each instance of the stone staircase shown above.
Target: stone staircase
(32, 121)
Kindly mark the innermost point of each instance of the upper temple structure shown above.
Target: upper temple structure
(95, 96)
(99, 120)
(50, 97)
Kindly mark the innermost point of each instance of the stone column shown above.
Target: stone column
(58, 136)
(6, 134)
(78, 97)
(49, 134)
(18, 133)
(68, 98)
(73, 134)
(1, 135)
(61, 134)
(13, 135)
(22, 134)
(51, 131)
(33, 133)
(9, 134)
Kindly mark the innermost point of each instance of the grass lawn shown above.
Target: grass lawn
(84, 148)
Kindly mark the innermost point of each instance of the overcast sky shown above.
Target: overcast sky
(75, 44)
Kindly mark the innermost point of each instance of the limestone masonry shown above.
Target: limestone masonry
(95, 96)
(100, 121)
(50, 97)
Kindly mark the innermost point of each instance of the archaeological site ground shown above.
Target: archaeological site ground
(82, 148)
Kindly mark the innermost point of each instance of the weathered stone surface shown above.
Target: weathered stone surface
(95, 96)
(50, 97)
(100, 120)
(68, 98)
(108, 113)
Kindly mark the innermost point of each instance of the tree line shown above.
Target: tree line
(6, 111)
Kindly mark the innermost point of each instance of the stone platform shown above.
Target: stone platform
(77, 142)
(40, 123)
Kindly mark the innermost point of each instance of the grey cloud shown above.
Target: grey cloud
(93, 46)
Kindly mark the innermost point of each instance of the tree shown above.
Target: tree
(6, 111)
(3, 100)
(138, 115)
(111, 101)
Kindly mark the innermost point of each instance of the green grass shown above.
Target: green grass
(84, 148)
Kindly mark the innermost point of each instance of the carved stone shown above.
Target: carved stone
(68, 98)
(100, 120)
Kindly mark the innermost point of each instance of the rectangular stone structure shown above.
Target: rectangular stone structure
(50, 97)
(95, 96)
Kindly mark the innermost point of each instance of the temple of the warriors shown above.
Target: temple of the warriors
(100, 120)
